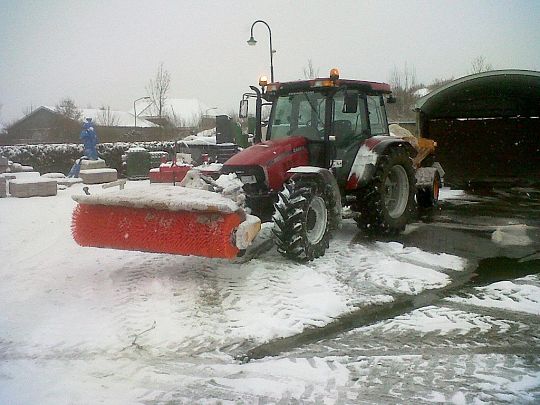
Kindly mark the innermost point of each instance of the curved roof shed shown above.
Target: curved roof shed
(487, 125)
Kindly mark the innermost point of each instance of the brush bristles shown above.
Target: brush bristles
(178, 232)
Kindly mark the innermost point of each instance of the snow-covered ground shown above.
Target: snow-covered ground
(85, 325)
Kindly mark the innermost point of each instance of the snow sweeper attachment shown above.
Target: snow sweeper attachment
(168, 219)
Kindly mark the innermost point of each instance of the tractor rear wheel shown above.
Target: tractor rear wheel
(302, 219)
(387, 204)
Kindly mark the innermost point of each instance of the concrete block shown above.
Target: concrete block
(32, 187)
(93, 164)
(97, 176)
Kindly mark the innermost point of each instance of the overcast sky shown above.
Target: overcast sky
(105, 52)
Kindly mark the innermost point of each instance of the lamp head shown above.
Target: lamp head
(263, 81)
(251, 41)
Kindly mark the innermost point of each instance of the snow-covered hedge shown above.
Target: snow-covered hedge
(49, 158)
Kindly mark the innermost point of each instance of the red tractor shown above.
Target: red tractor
(327, 145)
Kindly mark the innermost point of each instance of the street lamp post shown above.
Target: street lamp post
(208, 109)
(135, 111)
(252, 42)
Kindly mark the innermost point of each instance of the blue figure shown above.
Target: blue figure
(89, 139)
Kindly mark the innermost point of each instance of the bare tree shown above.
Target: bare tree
(158, 87)
(438, 83)
(68, 109)
(404, 86)
(309, 71)
(67, 125)
(107, 118)
(28, 109)
(177, 121)
(479, 65)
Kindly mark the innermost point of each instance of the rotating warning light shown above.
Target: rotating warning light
(263, 81)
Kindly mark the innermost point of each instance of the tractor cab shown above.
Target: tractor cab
(333, 114)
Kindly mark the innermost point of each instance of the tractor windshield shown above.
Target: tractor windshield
(303, 114)
(298, 114)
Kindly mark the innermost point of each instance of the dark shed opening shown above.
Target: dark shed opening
(486, 125)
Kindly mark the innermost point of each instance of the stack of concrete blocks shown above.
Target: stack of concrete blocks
(96, 172)
(32, 187)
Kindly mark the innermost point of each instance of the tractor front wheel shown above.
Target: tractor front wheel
(302, 220)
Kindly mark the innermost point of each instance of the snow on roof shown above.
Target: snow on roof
(110, 118)
(206, 137)
(421, 92)
(114, 118)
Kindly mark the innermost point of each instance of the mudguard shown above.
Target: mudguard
(367, 158)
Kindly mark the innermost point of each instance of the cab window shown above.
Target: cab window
(349, 128)
(298, 114)
(377, 117)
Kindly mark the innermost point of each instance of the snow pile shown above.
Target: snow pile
(447, 193)
(194, 140)
(399, 131)
(207, 133)
(422, 92)
(511, 235)
(432, 319)
(206, 137)
(313, 372)
(172, 198)
(505, 295)
(385, 269)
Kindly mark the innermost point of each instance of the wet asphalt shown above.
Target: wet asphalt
(461, 226)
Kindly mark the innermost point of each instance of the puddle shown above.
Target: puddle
(494, 269)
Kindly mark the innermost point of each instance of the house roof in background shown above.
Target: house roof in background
(118, 118)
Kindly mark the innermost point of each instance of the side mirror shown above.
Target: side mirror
(350, 103)
(243, 113)
(391, 99)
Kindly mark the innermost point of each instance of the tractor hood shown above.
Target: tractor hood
(266, 153)
(269, 161)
